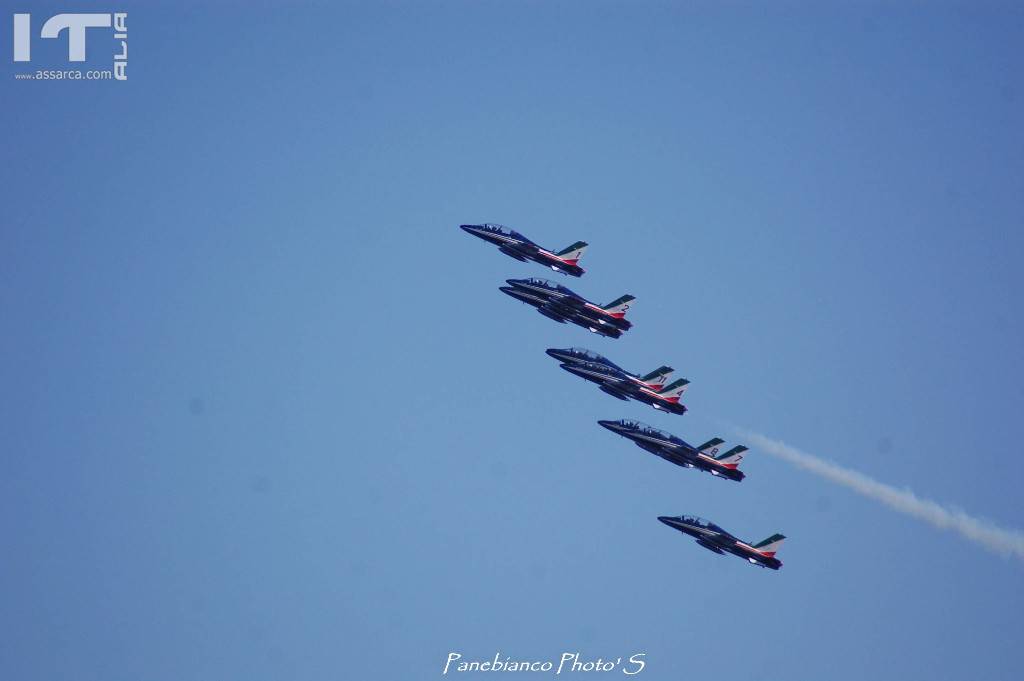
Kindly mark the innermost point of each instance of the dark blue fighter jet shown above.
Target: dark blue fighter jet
(557, 302)
(714, 538)
(653, 381)
(515, 245)
(619, 384)
(706, 457)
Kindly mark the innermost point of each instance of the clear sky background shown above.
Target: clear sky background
(266, 415)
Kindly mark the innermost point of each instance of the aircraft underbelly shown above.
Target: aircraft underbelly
(710, 546)
(676, 459)
(512, 253)
(552, 314)
(614, 393)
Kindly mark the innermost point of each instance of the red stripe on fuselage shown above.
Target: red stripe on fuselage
(714, 462)
(748, 547)
(652, 393)
(616, 315)
(549, 254)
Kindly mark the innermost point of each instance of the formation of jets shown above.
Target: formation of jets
(562, 305)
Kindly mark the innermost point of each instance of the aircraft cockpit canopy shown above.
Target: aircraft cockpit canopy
(647, 430)
(588, 354)
(499, 229)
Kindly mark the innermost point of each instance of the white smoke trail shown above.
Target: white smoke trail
(1003, 541)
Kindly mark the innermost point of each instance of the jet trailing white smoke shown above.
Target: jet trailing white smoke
(994, 538)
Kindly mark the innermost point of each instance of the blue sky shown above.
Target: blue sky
(267, 415)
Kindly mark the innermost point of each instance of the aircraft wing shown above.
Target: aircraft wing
(613, 392)
(516, 253)
(573, 301)
(563, 304)
(710, 546)
(521, 247)
(602, 375)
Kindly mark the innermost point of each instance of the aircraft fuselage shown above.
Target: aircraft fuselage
(522, 249)
(718, 540)
(563, 305)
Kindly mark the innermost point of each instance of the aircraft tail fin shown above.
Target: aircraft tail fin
(657, 378)
(674, 390)
(732, 458)
(771, 545)
(573, 253)
(617, 308)
(711, 447)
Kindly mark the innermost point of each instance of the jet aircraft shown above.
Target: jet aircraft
(617, 383)
(714, 538)
(557, 302)
(515, 245)
(653, 381)
(706, 457)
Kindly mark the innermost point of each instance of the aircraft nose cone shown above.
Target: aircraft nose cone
(476, 230)
(665, 519)
(610, 425)
(560, 355)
